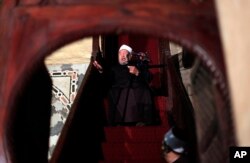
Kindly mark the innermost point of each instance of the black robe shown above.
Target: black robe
(130, 97)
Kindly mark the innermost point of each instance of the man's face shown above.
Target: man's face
(171, 156)
(122, 57)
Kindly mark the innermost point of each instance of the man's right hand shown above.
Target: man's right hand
(98, 66)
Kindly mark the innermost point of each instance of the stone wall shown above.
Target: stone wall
(67, 67)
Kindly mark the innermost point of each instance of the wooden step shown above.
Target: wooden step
(135, 134)
(134, 144)
(132, 151)
(160, 160)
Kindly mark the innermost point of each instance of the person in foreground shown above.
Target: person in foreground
(130, 97)
(174, 148)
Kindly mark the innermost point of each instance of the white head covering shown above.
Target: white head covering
(126, 47)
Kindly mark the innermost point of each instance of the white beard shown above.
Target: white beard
(123, 62)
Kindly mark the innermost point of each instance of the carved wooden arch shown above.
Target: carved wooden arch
(36, 28)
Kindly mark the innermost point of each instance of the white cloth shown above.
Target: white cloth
(126, 47)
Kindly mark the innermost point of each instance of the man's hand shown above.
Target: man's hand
(98, 66)
(133, 70)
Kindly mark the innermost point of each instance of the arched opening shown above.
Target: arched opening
(94, 85)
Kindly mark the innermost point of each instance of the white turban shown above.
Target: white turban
(126, 47)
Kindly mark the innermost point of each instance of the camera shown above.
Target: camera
(140, 60)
